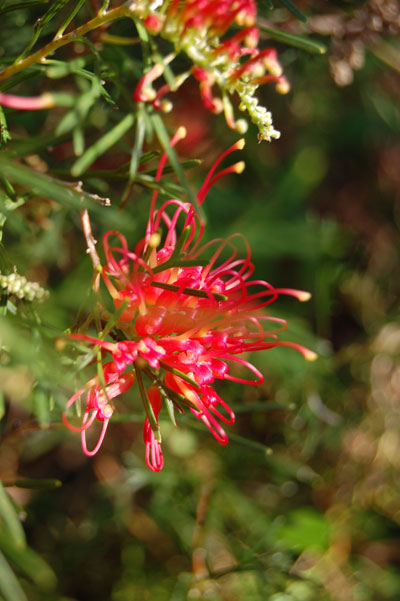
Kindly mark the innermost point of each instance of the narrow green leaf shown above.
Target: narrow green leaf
(24, 146)
(8, 188)
(11, 520)
(78, 114)
(293, 9)
(70, 17)
(35, 483)
(40, 407)
(245, 442)
(59, 69)
(101, 145)
(40, 24)
(46, 186)
(63, 99)
(163, 137)
(170, 409)
(19, 5)
(294, 40)
(251, 444)
(4, 133)
(137, 147)
(146, 46)
(78, 141)
(29, 563)
(9, 585)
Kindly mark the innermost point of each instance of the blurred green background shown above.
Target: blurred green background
(304, 503)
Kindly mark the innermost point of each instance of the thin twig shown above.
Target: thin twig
(91, 249)
(131, 9)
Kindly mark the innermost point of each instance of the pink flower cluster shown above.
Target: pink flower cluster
(187, 312)
(233, 65)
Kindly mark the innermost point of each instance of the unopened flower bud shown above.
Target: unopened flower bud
(155, 240)
(283, 86)
(166, 106)
(241, 126)
(153, 24)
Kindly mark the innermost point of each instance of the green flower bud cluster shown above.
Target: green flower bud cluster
(19, 286)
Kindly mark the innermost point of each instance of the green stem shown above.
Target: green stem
(130, 9)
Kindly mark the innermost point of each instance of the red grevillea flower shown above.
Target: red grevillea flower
(187, 311)
(223, 66)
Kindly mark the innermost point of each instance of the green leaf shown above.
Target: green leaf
(9, 585)
(306, 528)
(59, 69)
(78, 140)
(170, 409)
(297, 41)
(293, 9)
(70, 17)
(4, 133)
(102, 145)
(138, 146)
(35, 483)
(40, 408)
(11, 520)
(46, 186)
(11, 194)
(29, 563)
(19, 5)
(163, 137)
(24, 146)
(78, 114)
(40, 24)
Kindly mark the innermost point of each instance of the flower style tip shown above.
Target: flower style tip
(282, 85)
(181, 133)
(302, 295)
(310, 355)
(238, 167)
